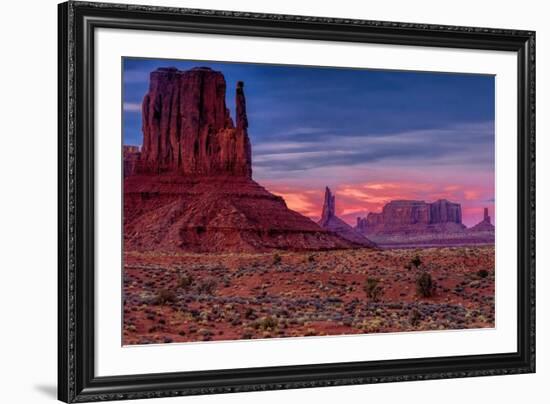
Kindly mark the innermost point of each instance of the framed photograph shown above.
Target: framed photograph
(257, 201)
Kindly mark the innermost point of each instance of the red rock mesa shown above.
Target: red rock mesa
(417, 224)
(187, 128)
(191, 189)
(410, 217)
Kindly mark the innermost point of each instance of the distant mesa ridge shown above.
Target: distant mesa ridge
(418, 223)
(190, 186)
(403, 216)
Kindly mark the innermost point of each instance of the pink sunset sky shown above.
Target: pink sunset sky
(372, 136)
(358, 199)
(463, 176)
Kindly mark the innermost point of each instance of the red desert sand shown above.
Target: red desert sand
(202, 297)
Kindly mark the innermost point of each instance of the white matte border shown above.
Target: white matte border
(113, 359)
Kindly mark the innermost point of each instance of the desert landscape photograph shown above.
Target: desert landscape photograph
(270, 201)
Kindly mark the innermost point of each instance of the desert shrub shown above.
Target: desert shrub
(185, 281)
(310, 332)
(311, 258)
(372, 325)
(247, 335)
(425, 286)
(416, 261)
(277, 259)
(165, 296)
(206, 286)
(205, 332)
(249, 313)
(226, 281)
(415, 317)
(267, 323)
(483, 273)
(373, 289)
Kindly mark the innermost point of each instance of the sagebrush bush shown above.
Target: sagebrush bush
(425, 286)
(483, 273)
(416, 261)
(415, 317)
(373, 289)
(277, 259)
(267, 323)
(206, 286)
(165, 296)
(185, 281)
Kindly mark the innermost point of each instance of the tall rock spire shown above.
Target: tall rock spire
(243, 151)
(334, 224)
(486, 217)
(187, 128)
(329, 206)
(240, 102)
(485, 224)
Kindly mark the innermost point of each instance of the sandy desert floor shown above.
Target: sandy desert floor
(208, 297)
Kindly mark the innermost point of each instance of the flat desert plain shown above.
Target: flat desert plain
(188, 297)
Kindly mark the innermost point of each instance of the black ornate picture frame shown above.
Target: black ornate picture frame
(78, 22)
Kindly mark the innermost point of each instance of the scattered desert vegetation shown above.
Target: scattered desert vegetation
(373, 289)
(205, 297)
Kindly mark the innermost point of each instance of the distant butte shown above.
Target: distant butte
(408, 223)
(190, 186)
(333, 223)
(410, 217)
(485, 225)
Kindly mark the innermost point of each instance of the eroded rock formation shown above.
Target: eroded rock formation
(333, 223)
(215, 214)
(329, 207)
(192, 187)
(404, 216)
(187, 128)
(443, 211)
(421, 224)
(485, 225)
(130, 156)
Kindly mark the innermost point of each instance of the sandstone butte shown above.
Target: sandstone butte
(485, 225)
(407, 217)
(190, 187)
(333, 223)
